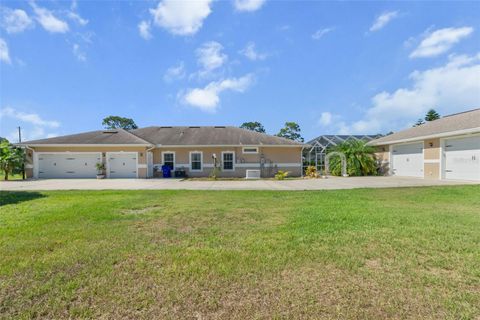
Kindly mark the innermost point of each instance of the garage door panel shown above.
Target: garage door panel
(407, 160)
(122, 165)
(71, 165)
(462, 158)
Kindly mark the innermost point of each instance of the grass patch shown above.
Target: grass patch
(364, 253)
(15, 176)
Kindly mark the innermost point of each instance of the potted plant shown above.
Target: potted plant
(100, 170)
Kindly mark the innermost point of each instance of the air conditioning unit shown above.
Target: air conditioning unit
(253, 174)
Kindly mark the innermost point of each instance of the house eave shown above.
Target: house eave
(432, 136)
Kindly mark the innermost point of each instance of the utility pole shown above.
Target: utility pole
(23, 162)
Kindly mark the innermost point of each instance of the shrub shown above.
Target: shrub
(360, 159)
(311, 172)
(281, 175)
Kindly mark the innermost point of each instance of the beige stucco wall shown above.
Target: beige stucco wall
(431, 149)
(431, 170)
(275, 158)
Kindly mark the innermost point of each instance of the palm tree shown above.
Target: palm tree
(360, 159)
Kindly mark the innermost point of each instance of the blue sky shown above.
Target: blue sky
(333, 67)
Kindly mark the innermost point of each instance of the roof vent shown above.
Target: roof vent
(166, 127)
(220, 127)
(110, 131)
(194, 127)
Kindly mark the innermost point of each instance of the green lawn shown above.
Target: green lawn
(352, 254)
(15, 176)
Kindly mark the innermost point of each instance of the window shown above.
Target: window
(169, 159)
(228, 160)
(195, 161)
(250, 150)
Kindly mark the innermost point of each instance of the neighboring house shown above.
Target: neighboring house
(140, 153)
(447, 148)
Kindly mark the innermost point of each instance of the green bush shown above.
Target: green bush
(311, 172)
(360, 159)
(281, 175)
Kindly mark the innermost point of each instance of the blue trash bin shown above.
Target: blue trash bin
(167, 171)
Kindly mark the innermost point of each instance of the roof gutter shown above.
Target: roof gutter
(431, 136)
(83, 145)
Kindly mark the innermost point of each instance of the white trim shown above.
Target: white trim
(233, 161)
(437, 135)
(248, 165)
(190, 161)
(287, 165)
(83, 145)
(141, 165)
(28, 166)
(229, 145)
(36, 154)
(174, 158)
(250, 152)
(121, 152)
(431, 161)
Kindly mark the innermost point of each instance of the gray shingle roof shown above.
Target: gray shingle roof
(455, 122)
(220, 135)
(117, 136)
(170, 136)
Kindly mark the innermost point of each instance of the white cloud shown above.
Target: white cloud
(251, 53)
(73, 14)
(248, 5)
(321, 32)
(181, 17)
(325, 119)
(144, 28)
(48, 21)
(77, 18)
(440, 41)
(4, 53)
(79, 53)
(210, 57)
(208, 98)
(448, 89)
(31, 118)
(15, 21)
(175, 73)
(383, 19)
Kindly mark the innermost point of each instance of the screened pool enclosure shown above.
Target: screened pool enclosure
(315, 153)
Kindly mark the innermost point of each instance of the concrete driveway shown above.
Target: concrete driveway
(164, 184)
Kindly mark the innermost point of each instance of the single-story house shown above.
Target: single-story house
(447, 148)
(140, 153)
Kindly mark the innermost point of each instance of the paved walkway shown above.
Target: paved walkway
(298, 184)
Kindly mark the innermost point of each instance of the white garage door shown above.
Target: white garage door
(67, 165)
(122, 165)
(407, 160)
(462, 158)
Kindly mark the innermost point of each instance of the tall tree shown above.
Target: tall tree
(432, 115)
(253, 126)
(291, 131)
(11, 158)
(419, 122)
(114, 122)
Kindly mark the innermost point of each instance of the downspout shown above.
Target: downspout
(301, 159)
(146, 153)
